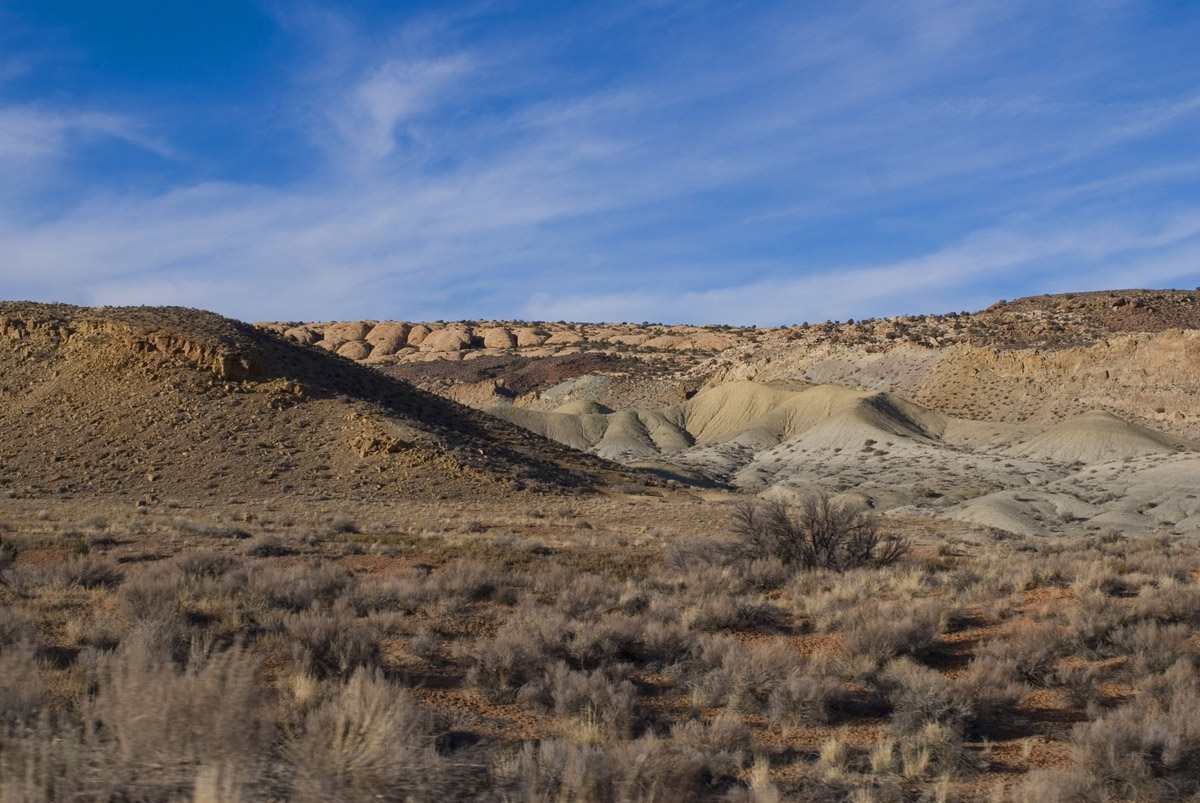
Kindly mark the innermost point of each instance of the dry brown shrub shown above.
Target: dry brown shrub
(820, 534)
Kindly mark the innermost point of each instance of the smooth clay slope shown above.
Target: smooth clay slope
(175, 402)
(1094, 470)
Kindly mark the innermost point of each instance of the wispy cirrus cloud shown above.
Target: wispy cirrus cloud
(653, 163)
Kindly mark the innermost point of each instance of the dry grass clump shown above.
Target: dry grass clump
(334, 644)
(370, 740)
(697, 762)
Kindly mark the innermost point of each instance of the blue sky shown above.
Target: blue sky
(699, 162)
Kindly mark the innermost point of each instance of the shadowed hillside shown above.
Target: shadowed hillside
(145, 401)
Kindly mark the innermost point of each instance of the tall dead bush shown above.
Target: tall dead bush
(817, 534)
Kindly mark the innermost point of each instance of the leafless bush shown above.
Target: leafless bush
(1092, 624)
(993, 690)
(819, 534)
(725, 741)
(765, 574)
(342, 525)
(1170, 605)
(662, 643)
(206, 565)
(647, 770)
(729, 612)
(612, 638)
(15, 627)
(1081, 682)
(267, 546)
(20, 685)
(468, 580)
(155, 725)
(516, 656)
(920, 696)
(297, 588)
(590, 594)
(1152, 648)
(8, 554)
(427, 645)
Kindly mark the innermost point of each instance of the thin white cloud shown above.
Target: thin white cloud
(28, 132)
(392, 96)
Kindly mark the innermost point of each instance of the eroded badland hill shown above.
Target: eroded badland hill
(1031, 416)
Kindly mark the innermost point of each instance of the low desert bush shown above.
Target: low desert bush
(297, 588)
(740, 677)
(1093, 622)
(920, 696)
(1152, 648)
(1170, 604)
(1081, 682)
(805, 699)
(597, 707)
(267, 546)
(87, 572)
(517, 654)
(983, 701)
(820, 534)
(20, 683)
(687, 766)
(1148, 749)
(467, 581)
(663, 643)
(335, 644)
(993, 689)
(1033, 649)
(880, 631)
(150, 725)
(15, 627)
(736, 613)
(196, 566)
(588, 595)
